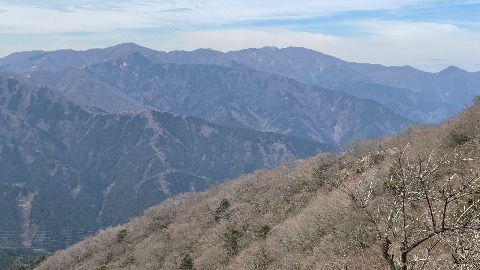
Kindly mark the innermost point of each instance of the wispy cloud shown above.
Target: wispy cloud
(212, 13)
(178, 10)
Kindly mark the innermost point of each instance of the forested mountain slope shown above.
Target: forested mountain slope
(404, 202)
(66, 167)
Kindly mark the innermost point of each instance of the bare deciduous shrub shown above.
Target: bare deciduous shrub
(333, 172)
(425, 202)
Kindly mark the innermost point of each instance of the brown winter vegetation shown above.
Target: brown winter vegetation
(406, 202)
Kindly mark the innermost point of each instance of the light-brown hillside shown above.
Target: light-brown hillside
(404, 202)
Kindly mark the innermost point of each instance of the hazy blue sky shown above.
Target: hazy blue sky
(429, 35)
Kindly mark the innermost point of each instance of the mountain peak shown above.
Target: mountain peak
(451, 70)
(129, 45)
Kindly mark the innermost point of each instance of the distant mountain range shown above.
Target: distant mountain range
(226, 96)
(421, 96)
(92, 138)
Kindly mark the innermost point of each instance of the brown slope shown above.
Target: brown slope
(312, 222)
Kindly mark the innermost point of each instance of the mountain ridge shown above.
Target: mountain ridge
(238, 97)
(420, 85)
(66, 166)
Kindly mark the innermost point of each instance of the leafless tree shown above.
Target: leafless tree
(423, 208)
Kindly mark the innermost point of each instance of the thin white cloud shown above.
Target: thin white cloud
(178, 10)
(48, 17)
(412, 43)
(31, 20)
(278, 9)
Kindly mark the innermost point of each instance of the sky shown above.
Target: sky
(426, 34)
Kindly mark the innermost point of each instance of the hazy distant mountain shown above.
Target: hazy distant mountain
(84, 89)
(61, 59)
(66, 167)
(453, 85)
(421, 96)
(424, 96)
(232, 97)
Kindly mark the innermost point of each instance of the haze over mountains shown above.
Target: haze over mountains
(227, 96)
(421, 96)
(92, 138)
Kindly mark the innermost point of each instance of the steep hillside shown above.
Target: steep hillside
(68, 170)
(404, 202)
(231, 97)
